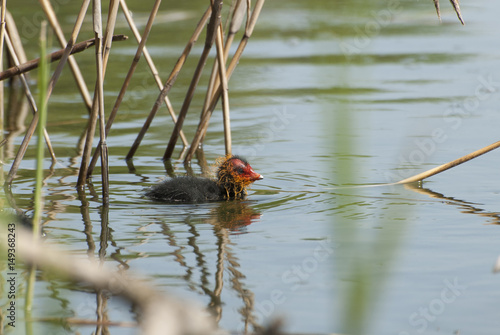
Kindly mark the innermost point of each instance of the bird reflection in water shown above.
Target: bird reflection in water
(230, 218)
(233, 215)
(225, 219)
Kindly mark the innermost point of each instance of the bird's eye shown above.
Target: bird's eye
(239, 170)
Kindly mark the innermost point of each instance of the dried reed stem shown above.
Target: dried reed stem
(152, 67)
(102, 61)
(102, 55)
(203, 124)
(50, 88)
(3, 9)
(235, 25)
(213, 74)
(110, 27)
(69, 47)
(29, 95)
(169, 83)
(449, 165)
(126, 82)
(225, 95)
(209, 40)
(56, 55)
(92, 123)
(438, 10)
(75, 70)
(43, 76)
(455, 5)
(100, 85)
(98, 102)
(32, 127)
(15, 38)
(238, 12)
(496, 267)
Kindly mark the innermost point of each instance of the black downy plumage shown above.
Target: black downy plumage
(233, 177)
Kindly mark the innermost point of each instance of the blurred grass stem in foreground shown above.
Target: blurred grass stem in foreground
(364, 256)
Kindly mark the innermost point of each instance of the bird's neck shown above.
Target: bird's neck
(230, 188)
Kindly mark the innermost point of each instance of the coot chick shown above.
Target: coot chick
(233, 177)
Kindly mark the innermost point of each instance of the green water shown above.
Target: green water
(328, 94)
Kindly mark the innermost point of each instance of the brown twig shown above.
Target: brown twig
(438, 10)
(110, 28)
(204, 120)
(101, 57)
(103, 47)
(496, 267)
(75, 70)
(31, 129)
(56, 55)
(455, 5)
(169, 83)
(449, 165)
(15, 37)
(225, 95)
(126, 82)
(238, 14)
(152, 67)
(3, 9)
(213, 24)
(50, 88)
(29, 95)
(97, 28)
(69, 47)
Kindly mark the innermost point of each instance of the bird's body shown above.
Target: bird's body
(233, 177)
(185, 189)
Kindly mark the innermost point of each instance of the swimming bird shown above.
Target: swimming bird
(234, 175)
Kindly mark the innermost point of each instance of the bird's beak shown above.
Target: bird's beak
(255, 176)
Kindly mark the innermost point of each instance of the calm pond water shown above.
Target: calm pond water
(329, 98)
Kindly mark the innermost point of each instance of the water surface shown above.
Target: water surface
(330, 97)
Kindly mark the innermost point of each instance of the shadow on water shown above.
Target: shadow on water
(463, 205)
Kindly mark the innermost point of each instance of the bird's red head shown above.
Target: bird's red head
(235, 174)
